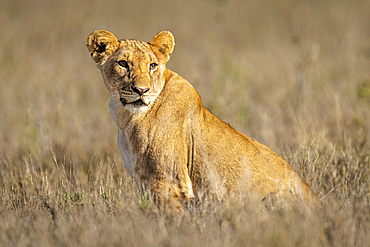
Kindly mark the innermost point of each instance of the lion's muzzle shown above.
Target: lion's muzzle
(140, 90)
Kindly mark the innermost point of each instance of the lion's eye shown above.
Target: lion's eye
(153, 67)
(123, 64)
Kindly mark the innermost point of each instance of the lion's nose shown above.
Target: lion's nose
(140, 90)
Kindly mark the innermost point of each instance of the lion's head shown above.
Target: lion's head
(132, 69)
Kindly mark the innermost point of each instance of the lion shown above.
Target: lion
(170, 143)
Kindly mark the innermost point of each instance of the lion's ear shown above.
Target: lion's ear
(162, 45)
(101, 45)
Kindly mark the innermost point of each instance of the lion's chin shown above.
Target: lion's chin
(139, 103)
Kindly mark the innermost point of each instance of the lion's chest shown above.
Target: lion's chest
(126, 152)
(125, 119)
(117, 111)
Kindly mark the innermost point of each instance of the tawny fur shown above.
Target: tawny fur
(171, 144)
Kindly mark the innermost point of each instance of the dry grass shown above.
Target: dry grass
(294, 75)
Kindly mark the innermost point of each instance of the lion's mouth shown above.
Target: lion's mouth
(123, 101)
(136, 103)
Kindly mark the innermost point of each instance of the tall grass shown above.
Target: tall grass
(291, 74)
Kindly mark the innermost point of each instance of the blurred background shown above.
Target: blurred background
(282, 72)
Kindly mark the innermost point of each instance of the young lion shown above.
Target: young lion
(170, 143)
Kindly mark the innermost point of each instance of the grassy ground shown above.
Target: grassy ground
(295, 75)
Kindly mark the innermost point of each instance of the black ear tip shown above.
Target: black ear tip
(91, 54)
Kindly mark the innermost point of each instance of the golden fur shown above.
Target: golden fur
(171, 144)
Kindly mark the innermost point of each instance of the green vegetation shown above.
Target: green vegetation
(291, 74)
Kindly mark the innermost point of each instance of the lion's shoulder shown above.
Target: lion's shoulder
(178, 87)
(178, 95)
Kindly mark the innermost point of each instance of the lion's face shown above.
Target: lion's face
(132, 69)
(133, 73)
